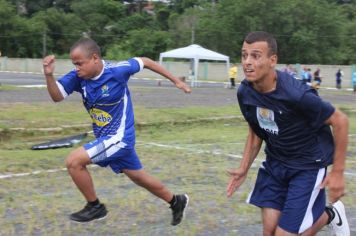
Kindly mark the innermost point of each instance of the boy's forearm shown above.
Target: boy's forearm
(251, 150)
(340, 125)
(53, 89)
(341, 141)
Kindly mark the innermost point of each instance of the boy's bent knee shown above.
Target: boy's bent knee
(77, 159)
(269, 230)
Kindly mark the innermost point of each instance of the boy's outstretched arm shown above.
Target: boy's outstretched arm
(48, 70)
(238, 176)
(154, 66)
(335, 180)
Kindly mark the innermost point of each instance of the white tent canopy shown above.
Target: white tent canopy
(195, 53)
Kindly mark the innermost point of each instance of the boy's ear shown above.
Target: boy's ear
(274, 59)
(96, 57)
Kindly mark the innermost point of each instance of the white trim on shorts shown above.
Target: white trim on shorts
(250, 194)
(308, 217)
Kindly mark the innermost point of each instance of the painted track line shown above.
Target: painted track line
(168, 146)
(190, 149)
(7, 176)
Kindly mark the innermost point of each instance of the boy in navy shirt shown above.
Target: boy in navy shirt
(294, 122)
(107, 99)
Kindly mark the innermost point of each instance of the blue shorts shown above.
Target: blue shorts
(107, 151)
(295, 193)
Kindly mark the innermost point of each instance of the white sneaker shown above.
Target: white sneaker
(339, 223)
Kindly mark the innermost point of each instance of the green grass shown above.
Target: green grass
(42, 115)
(194, 158)
(146, 115)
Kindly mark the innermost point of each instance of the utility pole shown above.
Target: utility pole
(193, 22)
(193, 33)
(44, 44)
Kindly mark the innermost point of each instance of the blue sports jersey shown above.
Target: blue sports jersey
(290, 120)
(107, 99)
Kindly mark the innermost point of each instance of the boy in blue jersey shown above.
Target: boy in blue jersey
(294, 122)
(106, 97)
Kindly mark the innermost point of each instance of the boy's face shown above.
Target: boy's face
(87, 66)
(256, 61)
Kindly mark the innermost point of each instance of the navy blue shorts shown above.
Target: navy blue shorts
(295, 193)
(106, 151)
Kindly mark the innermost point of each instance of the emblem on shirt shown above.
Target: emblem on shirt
(266, 121)
(105, 90)
(84, 92)
(100, 117)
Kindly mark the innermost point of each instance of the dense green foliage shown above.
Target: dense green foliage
(308, 31)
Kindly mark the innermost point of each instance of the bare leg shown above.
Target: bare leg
(76, 165)
(153, 185)
(313, 230)
(318, 225)
(270, 219)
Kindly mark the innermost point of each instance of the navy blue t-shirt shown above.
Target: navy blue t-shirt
(290, 120)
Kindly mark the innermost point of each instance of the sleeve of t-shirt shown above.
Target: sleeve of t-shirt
(125, 69)
(68, 84)
(316, 110)
(136, 64)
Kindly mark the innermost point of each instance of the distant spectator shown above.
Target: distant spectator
(290, 70)
(305, 75)
(309, 75)
(354, 81)
(317, 76)
(317, 79)
(287, 68)
(233, 75)
(339, 75)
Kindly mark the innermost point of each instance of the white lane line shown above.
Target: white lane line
(36, 172)
(32, 86)
(190, 149)
(21, 72)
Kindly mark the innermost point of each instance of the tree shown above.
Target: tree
(145, 42)
(99, 17)
(302, 28)
(183, 27)
(18, 37)
(60, 29)
(307, 31)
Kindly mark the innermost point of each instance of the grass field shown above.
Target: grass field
(189, 149)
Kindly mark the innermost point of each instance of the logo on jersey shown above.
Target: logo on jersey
(266, 121)
(100, 117)
(84, 92)
(105, 90)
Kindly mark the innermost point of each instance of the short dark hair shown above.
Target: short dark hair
(89, 45)
(262, 36)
